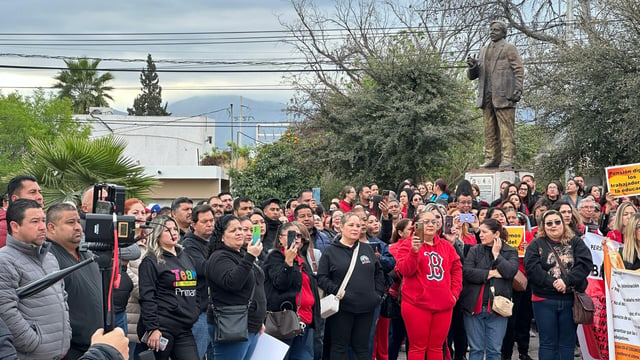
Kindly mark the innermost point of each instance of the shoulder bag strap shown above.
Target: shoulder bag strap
(354, 258)
(253, 286)
(312, 259)
(555, 253)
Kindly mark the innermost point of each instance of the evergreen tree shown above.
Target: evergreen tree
(149, 102)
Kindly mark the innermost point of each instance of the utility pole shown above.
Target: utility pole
(232, 151)
(240, 119)
(570, 21)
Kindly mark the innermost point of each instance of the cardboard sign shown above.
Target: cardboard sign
(623, 180)
(516, 238)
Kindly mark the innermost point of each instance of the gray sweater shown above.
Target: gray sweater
(39, 323)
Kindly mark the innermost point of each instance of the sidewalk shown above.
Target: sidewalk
(533, 351)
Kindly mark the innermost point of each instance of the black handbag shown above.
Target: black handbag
(390, 307)
(232, 321)
(284, 324)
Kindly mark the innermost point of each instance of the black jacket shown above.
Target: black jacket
(231, 275)
(270, 236)
(168, 298)
(475, 270)
(84, 296)
(198, 250)
(367, 282)
(283, 283)
(636, 261)
(386, 229)
(542, 269)
(121, 294)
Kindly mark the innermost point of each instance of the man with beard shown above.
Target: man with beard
(227, 202)
(216, 206)
(304, 215)
(83, 286)
(181, 211)
(271, 210)
(20, 187)
(364, 195)
(25, 259)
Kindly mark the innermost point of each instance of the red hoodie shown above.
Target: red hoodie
(432, 276)
(345, 207)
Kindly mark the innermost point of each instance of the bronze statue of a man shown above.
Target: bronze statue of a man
(500, 73)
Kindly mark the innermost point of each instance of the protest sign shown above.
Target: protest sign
(623, 180)
(516, 238)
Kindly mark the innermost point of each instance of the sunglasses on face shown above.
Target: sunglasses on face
(553, 222)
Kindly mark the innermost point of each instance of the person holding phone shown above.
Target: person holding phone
(168, 302)
(290, 284)
(431, 283)
(397, 330)
(490, 264)
(233, 276)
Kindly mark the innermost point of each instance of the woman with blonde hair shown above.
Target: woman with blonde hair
(625, 211)
(630, 251)
(168, 301)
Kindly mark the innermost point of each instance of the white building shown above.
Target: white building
(169, 148)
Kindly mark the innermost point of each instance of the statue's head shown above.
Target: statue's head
(498, 30)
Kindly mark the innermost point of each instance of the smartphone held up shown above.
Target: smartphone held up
(291, 238)
(419, 230)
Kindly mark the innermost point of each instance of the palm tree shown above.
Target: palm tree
(84, 85)
(68, 165)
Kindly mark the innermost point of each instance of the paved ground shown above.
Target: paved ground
(533, 350)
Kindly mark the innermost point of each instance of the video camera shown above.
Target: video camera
(108, 200)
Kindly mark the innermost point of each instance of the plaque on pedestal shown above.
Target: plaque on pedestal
(489, 180)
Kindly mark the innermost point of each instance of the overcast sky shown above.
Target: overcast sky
(53, 29)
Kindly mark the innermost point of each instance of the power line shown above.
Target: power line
(32, 67)
(207, 88)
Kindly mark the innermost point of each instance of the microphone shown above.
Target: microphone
(37, 286)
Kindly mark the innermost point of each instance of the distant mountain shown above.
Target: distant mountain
(254, 112)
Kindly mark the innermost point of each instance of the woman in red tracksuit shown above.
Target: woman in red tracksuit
(432, 281)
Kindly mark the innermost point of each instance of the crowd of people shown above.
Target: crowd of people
(419, 265)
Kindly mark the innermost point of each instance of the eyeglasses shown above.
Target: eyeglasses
(551, 223)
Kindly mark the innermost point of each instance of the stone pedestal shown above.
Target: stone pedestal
(489, 180)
